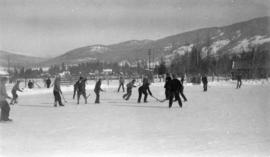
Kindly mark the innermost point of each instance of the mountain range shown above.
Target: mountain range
(16, 60)
(216, 41)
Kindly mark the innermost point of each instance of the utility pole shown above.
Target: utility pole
(149, 55)
(8, 64)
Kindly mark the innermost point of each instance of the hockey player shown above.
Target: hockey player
(75, 87)
(182, 90)
(57, 92)
(144, 89)
(14, 93)
(130, 85)
(205, 82)
(166, 86)
(48, 82)
(97, 91)
(5, 109)
(121, 84)
(81, 90)
(239, 81)
(175, 88)
(30, 84)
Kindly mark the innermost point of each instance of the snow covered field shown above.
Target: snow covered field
(221, 122)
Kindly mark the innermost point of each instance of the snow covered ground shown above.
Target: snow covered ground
(221, 122)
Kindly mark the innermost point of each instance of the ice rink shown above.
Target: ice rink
(221, 122)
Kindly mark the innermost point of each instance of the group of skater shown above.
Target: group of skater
(174, 90)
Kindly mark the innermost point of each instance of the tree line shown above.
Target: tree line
(254, 65)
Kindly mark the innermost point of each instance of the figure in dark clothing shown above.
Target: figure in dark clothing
(121, 84)
(3, 102)
(182, 79)
(239, 81)
(30, 84)
(75, 88)
(166, 86)
(175, 88)
(182, 91)
(97, 91)
(48, 82)
(144, 89)
(205, 82)
(57, 92)
(130, 85)
(14, 93)
(81, 90)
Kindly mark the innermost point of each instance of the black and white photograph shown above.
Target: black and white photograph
(135, 78)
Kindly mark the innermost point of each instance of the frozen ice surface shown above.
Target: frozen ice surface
(221, 122)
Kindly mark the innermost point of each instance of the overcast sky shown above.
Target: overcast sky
(49, 28)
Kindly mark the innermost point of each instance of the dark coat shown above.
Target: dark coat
(48, 81)
(81, 85)
(175, 85)
(145, 88)
(239, 77)
(98, 87)
(204, 80)
(168, 79)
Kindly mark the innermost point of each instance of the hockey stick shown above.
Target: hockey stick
(158, 99)
(37, 84)
(63, 98)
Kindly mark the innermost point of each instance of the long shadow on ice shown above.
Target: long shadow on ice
(141, 106)
(37, 105)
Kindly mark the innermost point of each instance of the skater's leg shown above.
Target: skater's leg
(140, 96)
(78, 97)
(74, 93)
(128, 94)
(97, 97)
(85, 98)
(55, 98)
(177, 97)
(240, 84)
(237, 84)
(145, 96)
(119, 88)
(12, 101)
(183, 96)
(16, 99)
(59, 99)
(124, 96)
(123, 87)
(205, 87)
(5, 109)
(167, 94)
(170, 99)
